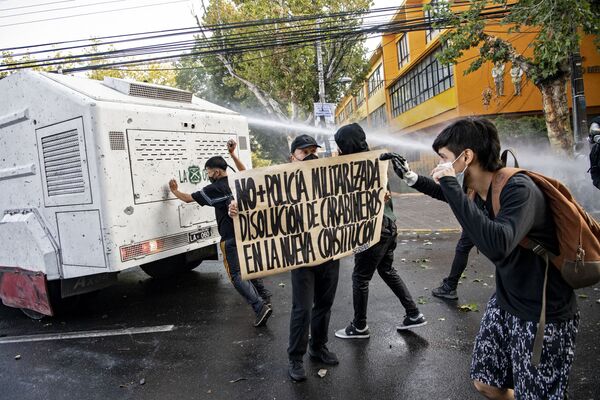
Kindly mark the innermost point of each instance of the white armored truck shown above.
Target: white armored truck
(84, 171)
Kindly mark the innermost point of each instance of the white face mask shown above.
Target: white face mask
(460, 177)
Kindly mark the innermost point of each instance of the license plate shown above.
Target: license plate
(203, 233)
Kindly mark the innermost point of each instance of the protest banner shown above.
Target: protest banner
(305, 213)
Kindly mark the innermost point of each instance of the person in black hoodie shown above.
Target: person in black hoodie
(351, 139)
(594, 138)
(503, 364)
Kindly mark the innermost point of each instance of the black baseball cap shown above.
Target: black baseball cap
(302, 142)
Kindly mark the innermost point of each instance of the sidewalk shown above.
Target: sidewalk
(422, 214)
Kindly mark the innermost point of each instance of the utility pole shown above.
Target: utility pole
(580, 129)
(322, 123)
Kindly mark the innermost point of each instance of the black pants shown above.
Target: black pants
(379, 257)
(264, 293)
(247, 289)
(313, 292)
(461, 258)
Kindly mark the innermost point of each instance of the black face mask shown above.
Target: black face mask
(311, 156)
(212, 179)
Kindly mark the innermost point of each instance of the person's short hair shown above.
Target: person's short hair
(216, 162)
(477, 134)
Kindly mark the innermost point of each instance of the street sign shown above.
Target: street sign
(326, 110)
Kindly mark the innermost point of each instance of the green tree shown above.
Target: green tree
(559, 25)
(26, 62)
(7, 58)
(522, 131)
(157, 73)
(258, 158)
(281, 81)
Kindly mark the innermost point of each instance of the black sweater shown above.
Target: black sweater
(519, 272)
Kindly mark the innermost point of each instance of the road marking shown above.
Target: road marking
(86, 334)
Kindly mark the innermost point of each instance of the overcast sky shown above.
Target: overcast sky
(29, 22)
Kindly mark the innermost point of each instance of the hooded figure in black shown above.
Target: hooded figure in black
(351, 139)
(595, 151)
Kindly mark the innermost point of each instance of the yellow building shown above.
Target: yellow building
(421, 95)
(367, 105)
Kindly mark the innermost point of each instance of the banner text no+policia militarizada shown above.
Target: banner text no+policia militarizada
(305, 213)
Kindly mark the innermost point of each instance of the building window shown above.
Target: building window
(360, 97)
(375, 80)
(402, 48)
(427, 79)
(430, 34)
(348, 109)
(378, 117)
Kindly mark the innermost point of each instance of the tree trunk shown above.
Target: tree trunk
(269, 103)
(556, 112)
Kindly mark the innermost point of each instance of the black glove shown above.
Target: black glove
(399, 163)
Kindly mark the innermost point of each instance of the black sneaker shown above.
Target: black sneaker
(352, 332)
(263, 316)
(445, 292)
(324, 355)
(412, 322)
(267, 300)
(296, 370)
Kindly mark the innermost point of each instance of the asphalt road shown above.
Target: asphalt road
(212, 351)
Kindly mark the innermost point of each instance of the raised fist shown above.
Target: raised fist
(231, 145)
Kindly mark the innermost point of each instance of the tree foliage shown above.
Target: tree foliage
(558, 26)
(557, 36)
(523, 131)
(279, 81)
(157, 73)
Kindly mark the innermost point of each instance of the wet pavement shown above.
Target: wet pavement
(214, 352)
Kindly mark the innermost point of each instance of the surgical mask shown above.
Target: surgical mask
(460, 177)
(311, 156)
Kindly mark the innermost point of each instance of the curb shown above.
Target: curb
(440, 230)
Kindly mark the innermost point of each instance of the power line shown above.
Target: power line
(219, 28)
(92, 13)
(225, 26)
(387, 10)
(36, 5)
(237, 43)
(61, 9)
(212, 52)
(224, 38)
